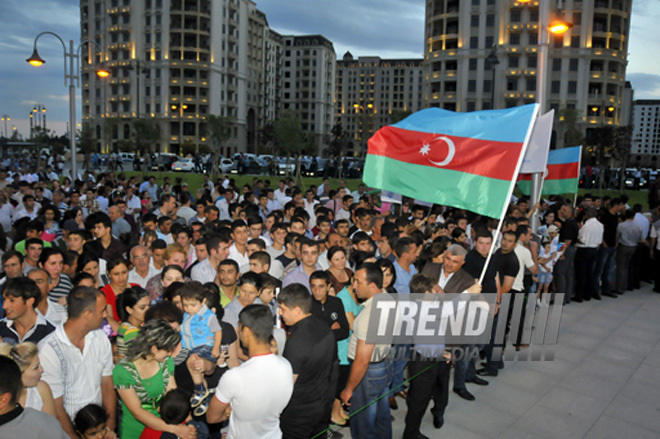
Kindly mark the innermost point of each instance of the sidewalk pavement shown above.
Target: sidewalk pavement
(603, 383)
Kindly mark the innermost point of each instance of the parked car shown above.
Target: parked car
(282, 166)
(183, 165)
(227, 166)
(126, 157)
(162, 161)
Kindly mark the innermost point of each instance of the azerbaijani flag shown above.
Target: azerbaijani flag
(562, 173)
(464, 160)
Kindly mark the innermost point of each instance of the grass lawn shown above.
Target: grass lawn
(195, 181)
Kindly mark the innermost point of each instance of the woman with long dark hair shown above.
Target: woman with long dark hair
(132, 305)
(143, 377)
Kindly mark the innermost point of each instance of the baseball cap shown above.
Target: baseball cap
(553, 229)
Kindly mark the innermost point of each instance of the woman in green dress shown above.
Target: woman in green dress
(144, 376)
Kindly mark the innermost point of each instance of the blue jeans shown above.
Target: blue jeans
(603, 267)
(399, 363)
(373, 422)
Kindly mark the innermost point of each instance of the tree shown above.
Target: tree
(147, 134)
(399, 115)
(125, 145)
(289, 135)
(622, 144)
(219, 129)
(110, 125)
(568, 118)
(188, 147)
(338, 142)
(87, 143)
(267, 139)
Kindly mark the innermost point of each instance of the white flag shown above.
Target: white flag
(390, 197)
(536, 157)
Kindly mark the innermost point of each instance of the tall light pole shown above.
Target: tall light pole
(557, 27)
(73, 76)
(138, 72)
(5, 119)
(492, 61)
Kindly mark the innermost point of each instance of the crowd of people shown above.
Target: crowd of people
(135, 310)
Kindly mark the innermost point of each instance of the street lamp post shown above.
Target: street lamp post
(73, 76)
(5, 118)
(546, 27)
(492, 61)
(138, 72)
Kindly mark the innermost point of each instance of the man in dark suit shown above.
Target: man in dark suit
(432, 372)
(456, 280)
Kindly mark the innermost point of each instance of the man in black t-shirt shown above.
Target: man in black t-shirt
(564, 270)
(312, 351)
(506, 266)
(609, 217)
(328, 308)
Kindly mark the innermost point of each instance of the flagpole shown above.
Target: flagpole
(511, 187)
(578, 179)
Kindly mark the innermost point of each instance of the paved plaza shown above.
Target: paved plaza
(603, 383)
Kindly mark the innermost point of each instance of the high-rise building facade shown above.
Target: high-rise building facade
(645, 148)
(370, 90)
(176, 62)
(308, 84)
(586, 68)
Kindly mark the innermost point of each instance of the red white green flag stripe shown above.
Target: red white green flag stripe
(464, 160)
(562, 173)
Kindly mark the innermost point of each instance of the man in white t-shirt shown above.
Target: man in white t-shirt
(259, 389)
(526, 261)
(77, 360)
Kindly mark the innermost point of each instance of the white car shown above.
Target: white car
(227, 166)
(282, 166)
(183, 165)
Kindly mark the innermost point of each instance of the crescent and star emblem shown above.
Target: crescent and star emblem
(426, 148)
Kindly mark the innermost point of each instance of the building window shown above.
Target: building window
(474, 42)
(575, 41)
(489, 42)
(572, 87)
(515, 16)
(512, 84)
(487, 86)
(555, 87)
(514, 61)
(471, 106)
(556, 65)
(514, 39)
(531, 84)
(534, 15)
(474, 21)
(531, 62)
(490, 20)
(472, 85)
(577, 18)
(473, 64)
(558, 41)
(573, 65)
